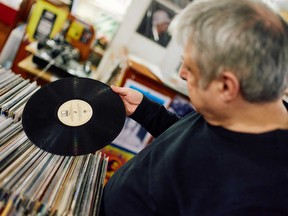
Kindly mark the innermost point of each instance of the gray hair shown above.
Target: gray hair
(243, 36)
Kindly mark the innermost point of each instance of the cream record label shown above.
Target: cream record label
(74, 112)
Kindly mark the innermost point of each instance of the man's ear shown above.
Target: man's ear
(229, 86)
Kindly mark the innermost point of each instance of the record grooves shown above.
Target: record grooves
(73, 116)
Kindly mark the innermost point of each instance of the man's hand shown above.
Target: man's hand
(130, 97)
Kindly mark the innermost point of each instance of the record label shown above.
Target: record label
(75, 112)
(73, 116)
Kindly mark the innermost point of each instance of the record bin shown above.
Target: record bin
(36, 182)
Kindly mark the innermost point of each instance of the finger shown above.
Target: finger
(114, 88)
(119, 90)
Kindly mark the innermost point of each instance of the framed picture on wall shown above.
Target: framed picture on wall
(155, 22)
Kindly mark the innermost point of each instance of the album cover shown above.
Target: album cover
(117, 157)
(181, 106)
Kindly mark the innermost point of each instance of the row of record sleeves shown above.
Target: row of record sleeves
(35, 182)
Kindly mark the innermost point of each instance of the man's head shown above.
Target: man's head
(244, 37)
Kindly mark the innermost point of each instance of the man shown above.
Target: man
(230, 157)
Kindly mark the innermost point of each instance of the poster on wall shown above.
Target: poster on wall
(133, 136)
(181, 106)
(155, 22)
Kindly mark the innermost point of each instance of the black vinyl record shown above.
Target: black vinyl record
(73, 116)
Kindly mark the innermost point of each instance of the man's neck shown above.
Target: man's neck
(253, 117)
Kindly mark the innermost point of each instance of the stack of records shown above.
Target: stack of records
(49, 142)
(14, 93)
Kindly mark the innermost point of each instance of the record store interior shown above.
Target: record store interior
(107, 42)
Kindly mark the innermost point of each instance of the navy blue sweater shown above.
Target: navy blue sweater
(194, 168)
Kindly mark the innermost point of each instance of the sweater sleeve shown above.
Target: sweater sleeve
(154, 117)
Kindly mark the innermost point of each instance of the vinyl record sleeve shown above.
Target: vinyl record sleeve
(73, 116)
